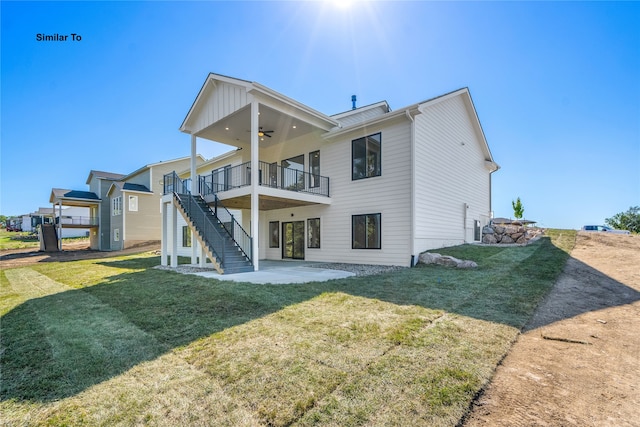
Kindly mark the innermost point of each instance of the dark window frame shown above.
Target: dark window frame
(274, 238)
(367, 140)
(288, 181)
(314, 175)
(354, 227)
(310, 244)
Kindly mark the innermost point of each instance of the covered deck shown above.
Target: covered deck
(261, 122)
(75, 198)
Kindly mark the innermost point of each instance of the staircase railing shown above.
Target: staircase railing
(233, 227)
(173, 184)
(204, 224)
(212, 221)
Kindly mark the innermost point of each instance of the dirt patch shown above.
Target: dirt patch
(577, 362)
(71, 252)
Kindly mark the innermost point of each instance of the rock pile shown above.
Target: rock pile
(509, 233)
(448, 261)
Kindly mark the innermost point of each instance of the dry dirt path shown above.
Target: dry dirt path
(577, 362)
(71, 252)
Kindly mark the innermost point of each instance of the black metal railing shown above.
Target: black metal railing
(233, 227)
(215, 223)
(224, 179)
(173, 184)
(210, 231)
(270, 175)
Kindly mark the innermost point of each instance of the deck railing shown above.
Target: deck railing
(78, 220)
(270, 175)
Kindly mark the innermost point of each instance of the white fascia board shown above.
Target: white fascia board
(137, 192)
(151, 165)
(361, 109)
(441, 98)
(210, 82)
(111, 187)
(413, 110)
(88, 201)
(270, 93)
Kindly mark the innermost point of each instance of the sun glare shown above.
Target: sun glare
(342, 4)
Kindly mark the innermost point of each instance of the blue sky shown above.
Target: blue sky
(556, 86)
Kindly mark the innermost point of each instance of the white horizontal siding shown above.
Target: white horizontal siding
(158, 171)
(388, 194)
(450, 174)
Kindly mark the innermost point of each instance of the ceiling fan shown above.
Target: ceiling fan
(262, 133)
(266, 133)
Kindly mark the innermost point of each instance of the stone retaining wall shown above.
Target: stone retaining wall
(509, 233)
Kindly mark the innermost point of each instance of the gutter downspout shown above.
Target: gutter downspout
(412, 214)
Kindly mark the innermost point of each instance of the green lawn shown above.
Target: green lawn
(115, 342)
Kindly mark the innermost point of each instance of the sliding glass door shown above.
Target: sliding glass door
(293, 240)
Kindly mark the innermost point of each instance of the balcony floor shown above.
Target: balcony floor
(269, 199)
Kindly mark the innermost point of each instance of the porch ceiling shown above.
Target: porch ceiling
(77, 202)
(265, 203)
(235, 130)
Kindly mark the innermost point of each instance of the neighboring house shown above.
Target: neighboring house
(124, 210)
(135, 203)
(100, 182)
(74, 215)
(369, 185)
(61, 197)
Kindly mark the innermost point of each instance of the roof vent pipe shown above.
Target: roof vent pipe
(353, 102)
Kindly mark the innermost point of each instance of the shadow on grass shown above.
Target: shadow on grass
(57, 346)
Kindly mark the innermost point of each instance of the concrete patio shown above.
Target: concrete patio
(276, 272)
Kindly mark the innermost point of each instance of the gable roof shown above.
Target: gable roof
(136, 187)
(162, 162)
(73, 196)
(104, 175)
(128, 186)
(252, 88)
(415, 109)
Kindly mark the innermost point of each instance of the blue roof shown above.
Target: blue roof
(75, 194)
(135, 187)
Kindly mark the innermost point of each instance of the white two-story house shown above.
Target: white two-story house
(369, 185)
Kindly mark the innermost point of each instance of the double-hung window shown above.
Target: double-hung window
(366, 157)
(116, 206)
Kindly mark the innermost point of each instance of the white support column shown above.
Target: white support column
(174, 236)
(59, 225)
(194, 191)
(203, 256)
(255, 170)
(165, 233)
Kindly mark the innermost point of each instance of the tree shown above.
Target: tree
(3, 221)
(518, 209)
(629, 220)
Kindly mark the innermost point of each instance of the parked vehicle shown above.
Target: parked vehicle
(604, 229)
